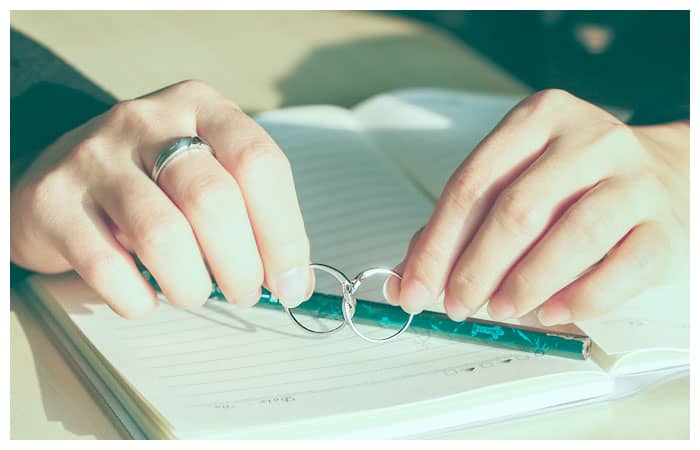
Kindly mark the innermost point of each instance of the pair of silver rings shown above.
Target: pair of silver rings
(349, 302)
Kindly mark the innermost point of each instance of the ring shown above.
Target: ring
(178, 148)
(349, 302)
(349, 306)
(343, 280)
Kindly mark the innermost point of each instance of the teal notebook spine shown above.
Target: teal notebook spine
(475, 331)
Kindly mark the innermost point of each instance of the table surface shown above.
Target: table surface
(266, 60)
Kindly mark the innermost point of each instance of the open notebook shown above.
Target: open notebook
(367, 178)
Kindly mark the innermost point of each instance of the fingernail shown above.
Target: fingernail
(456, 310)
(391, 284)
(387, 295)
(293, 286)
(500, 307)
(554, 315)
(414, 296)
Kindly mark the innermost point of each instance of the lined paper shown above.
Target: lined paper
(221, 368)
(431, 131)
(359, 210)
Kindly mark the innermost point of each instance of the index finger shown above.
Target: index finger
(265, 179)
(511, 147)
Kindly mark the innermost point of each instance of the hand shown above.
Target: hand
(561, 207)
(89, 198)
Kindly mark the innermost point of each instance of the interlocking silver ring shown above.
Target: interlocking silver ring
(343, 280)
(349, 306)
(176, 149)
(349, 302)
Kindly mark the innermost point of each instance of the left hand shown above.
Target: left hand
(562, 207)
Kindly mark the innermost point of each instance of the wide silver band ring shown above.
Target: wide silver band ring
(176, 149)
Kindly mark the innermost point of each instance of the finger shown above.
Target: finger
(509, 149)
(105, 265)
(637, 263)
(212, 202)
(265, 179)
(392, 285)
(161, 236)
(578, 239)
(521, 214)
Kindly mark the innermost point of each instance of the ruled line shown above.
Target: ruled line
(312, 368)
(325, 378)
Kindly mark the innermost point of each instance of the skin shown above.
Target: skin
(88, 201)
(562, 209)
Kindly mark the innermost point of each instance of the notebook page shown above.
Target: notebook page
(360, 211)
(429, 132)
(656, 319)
(221, 369)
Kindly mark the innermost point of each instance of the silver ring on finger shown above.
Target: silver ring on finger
(179, 147)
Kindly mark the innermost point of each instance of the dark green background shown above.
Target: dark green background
(646, 67)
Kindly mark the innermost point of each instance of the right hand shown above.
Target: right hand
(88, 199)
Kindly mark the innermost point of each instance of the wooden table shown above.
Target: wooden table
(265, 60)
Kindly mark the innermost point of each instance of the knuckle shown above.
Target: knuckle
(588, 225)
(520, 287)
(233, 109)
(198, 88)
(516, 213)
(257, 157)
(194, 86)
(550, 98)
(91, 156)
(544, 103)
(428, 262)
(462, 282)
(466, 187)
(131, 114)
(158, 231)
(620, 133)
(621, 138)
(40, 196)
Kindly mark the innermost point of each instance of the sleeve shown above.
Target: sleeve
(662, 114)
(48, 97)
